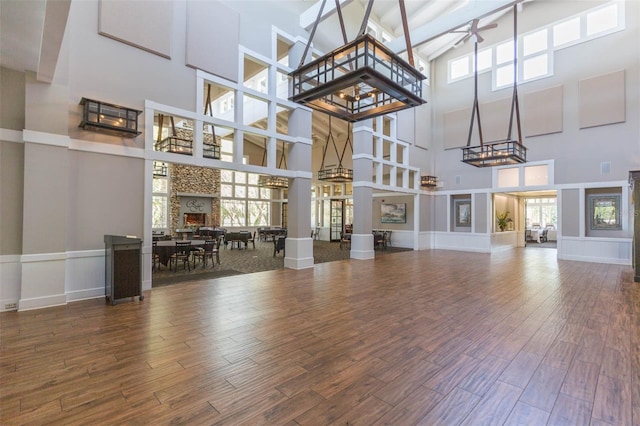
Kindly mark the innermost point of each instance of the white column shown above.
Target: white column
(362, 239)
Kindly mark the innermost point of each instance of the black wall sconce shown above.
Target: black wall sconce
(109, 118)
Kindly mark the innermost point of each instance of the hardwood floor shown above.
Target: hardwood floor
(430, 337)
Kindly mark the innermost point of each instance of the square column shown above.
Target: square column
(299, 245)
(362, 238)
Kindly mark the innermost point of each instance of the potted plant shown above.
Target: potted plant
(503, 219)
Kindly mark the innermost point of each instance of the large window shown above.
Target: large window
(542, 212)
(160, 203)
(535, 48)
(242, 201)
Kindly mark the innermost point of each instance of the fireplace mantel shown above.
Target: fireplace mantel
(191, 194)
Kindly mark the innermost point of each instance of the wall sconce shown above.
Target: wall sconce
(109, 118)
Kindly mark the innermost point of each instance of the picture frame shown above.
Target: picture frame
(462, 209)
(604, 212)
(393, 213)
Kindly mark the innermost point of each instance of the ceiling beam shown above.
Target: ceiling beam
(55, 22)
(443, 24)
(308, 17)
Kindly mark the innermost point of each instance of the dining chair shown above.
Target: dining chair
(527, 235)
(207, 251)
(278, 245)
(345, 241)
(252, 239)
(543, 237)
(387, 239)
(181, 253)
(154, 254)
(378, 239)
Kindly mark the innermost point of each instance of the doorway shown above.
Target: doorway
(337, 220)
(541, 220)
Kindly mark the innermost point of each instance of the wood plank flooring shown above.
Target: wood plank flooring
(430, 337)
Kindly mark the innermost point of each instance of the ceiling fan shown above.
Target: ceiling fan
(473, 31)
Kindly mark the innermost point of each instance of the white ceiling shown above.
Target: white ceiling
(23, 23)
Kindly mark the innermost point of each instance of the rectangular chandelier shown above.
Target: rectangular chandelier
(360, 80)
(428, 181)
(495, 154)
(335, 174)
(273, 182)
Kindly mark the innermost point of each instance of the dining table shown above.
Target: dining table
(164, 249)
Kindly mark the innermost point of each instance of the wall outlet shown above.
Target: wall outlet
(10, 306)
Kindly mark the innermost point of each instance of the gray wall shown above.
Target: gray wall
(480, 202)
(570, 212)
(106, 196)
(11, 197)
(45, 194)
(376, 212)
(12, 87)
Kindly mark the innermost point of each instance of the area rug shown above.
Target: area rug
(180, 278)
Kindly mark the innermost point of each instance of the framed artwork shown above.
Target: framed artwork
(604, 211)
(462, 210)
(393, 213)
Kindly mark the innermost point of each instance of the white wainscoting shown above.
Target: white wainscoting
(506, 240)
(463, 241)
(599, 250)
(402, 239)
(42, 280)
(425, 240)
(85, 275)
(10, 279)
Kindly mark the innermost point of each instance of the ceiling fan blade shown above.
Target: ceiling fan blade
(474, 25)
(479, 38)
(487, 27)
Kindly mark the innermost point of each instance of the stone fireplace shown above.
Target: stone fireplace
(194, 197)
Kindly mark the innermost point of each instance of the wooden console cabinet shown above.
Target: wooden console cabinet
(123, 268)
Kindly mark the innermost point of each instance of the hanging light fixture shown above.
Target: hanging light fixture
(340, 173)
(173, 143)
(160, 169)
(360, 80)
(428, 181)
(274, 182)
(210, 144)
(509, 151)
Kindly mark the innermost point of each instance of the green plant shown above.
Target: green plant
(503, 219)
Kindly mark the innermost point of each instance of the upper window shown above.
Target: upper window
(535, 49)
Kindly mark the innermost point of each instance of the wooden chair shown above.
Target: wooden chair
(155, 257)
(208, 250)
(543, 236)
(378, 240)
(527, 235)
(345, 241)
(181, 253)
(278, 244)
(387, 239)
(252, 239)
